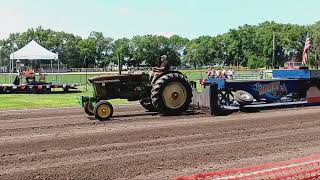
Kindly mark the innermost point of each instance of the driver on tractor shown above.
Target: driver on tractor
(164, 66)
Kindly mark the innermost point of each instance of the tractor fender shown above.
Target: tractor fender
(164, 73)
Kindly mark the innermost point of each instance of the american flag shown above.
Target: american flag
(307, 46)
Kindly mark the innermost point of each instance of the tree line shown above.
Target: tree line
(247, 46)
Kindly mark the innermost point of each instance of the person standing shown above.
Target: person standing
(230, 74)
(223, 74)
(29, 74)
(261, 74)
(211, 73)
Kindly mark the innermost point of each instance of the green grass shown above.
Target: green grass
(35, 101)
(195, 75)
(30, 101)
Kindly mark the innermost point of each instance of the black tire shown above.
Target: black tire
(32, 90)
(171, 94)
(47, 90)
(88, 108)
(243, 97)
(103, 111)
(147, 104)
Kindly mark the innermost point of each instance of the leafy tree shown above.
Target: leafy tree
(103, 46)
(87, 48)
(255, 62)
(123, 49)
(201, 51)
(149, 48)
(70, 53)
(248, 45)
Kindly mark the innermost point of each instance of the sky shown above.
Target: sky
(127, 18)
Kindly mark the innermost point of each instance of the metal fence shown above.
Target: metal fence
(241, 75)
(80, 77)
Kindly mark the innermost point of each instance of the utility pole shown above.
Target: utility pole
(119, 64)
(273, 50)
(316, 58)
(86, 61)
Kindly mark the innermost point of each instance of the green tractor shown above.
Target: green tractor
(169, 93)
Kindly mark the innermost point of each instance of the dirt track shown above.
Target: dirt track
(66, 144)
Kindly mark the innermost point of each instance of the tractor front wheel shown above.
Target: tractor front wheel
(147, 104)
(103, 110)
(88, 108)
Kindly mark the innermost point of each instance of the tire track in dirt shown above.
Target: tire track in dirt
(177, 143)
(149, 146)
(157, 159)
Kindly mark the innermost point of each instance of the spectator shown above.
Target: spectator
(234, 72)
(218, 72)
(223, 74)
(230, 74)
(211, 73)
(29, 74)
(261, 74)
(16, 80)
(130, 70)
(42, 75)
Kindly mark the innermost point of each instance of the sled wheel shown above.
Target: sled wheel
(243, 97)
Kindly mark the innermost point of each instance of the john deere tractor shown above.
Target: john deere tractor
(169, 93)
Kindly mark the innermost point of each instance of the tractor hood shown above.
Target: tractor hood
(116, 78)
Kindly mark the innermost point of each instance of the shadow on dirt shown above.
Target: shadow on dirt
(116, 117)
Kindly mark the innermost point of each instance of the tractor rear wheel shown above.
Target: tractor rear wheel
(103, 110)
(171, 94)
(88, 108)
(147, 104)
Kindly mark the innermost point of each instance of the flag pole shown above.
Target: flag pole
(308, 59)
(305, 54)
(309, 64)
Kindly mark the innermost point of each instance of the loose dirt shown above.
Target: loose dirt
(67, 144)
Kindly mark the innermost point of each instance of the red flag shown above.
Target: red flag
(307, 46)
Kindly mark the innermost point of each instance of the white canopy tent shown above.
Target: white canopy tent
(33, 51)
